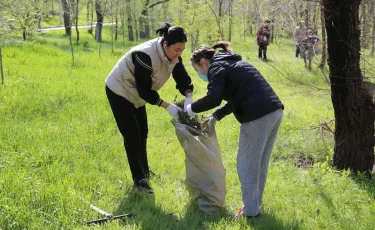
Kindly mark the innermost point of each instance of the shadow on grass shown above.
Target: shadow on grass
(149, 215)
(366, 181)
(268, 221)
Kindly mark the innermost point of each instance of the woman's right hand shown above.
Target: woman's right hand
(173, 109)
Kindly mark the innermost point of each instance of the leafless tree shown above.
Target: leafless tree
(353, 108)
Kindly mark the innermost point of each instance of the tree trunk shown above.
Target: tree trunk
(143, 21)
(1, 67)
(61, 12)
(364, 26)
(372, 12)
(324, 38)
(130, 21)
(77, 31)
(66, 9)
(230, 20)
(99, 21)
(353, 108)
(24, 33)
(116, 20)
(88, 11)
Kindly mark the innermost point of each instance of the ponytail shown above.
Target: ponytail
(208, 52)
(163, 29)
(171, 34)
(227, 46)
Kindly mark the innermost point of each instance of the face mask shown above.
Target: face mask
(203, 76)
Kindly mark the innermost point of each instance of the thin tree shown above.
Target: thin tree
(324, 38)
(353, 108)
(372, 12)
(1, 67)
(230, 19)
(76, 20)
(99, 20)
(66, 10)
(130, 20)
(144, 22)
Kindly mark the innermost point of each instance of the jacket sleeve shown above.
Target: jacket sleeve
(182, 78)
(223, 111)
(216, 86)
(143, 80)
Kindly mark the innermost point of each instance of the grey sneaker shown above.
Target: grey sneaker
(144, 186)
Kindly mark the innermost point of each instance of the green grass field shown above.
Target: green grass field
(60, 149)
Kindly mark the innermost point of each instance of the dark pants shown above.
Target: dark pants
(262, 50)
(132, 124)
(298, 50)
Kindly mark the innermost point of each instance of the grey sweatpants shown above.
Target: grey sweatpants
(253, 155)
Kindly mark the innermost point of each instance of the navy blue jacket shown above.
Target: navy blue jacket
(248, 94)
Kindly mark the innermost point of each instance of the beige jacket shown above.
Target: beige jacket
(121, 79)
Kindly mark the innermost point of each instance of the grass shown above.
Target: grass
(61, 150)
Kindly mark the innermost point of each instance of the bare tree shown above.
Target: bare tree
(144, 22)
(99, 20)
(372, 12)
(76, 20)
(1, 67)
(66, 10)
(230, 20)
(324, 38)
(353, 108)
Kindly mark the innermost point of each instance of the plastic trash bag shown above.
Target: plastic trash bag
(205, 173)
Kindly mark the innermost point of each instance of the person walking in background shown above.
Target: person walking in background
(309, 44)
(255, 106)
(299, 35)
(134, 82)
(263, 39)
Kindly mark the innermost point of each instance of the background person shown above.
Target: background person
(263, 39)
(309, 44)
(254, 104)
(299, 35)
(134, 81)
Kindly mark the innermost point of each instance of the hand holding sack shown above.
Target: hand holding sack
(187, 102)
(189, 111)
(173, 109)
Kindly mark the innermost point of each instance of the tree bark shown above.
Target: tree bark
(372, 12)
(1, 67)
(353, 108)
(324, 38)
(61, 12)
(116, 20)
(99, 21)
(66, 10)
(364, 26)
(77, 31)
(230, 19)
(130, 21)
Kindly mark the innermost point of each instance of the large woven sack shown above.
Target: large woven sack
(205, 173)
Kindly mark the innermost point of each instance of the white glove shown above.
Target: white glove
(173, 109)
(189, 111)
(187, 101)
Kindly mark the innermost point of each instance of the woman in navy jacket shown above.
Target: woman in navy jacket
(254, 104)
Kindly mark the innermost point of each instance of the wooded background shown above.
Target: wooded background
(205, 21)
(347, 27)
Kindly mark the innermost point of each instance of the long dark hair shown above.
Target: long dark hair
(208, 52)
(172, 34)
